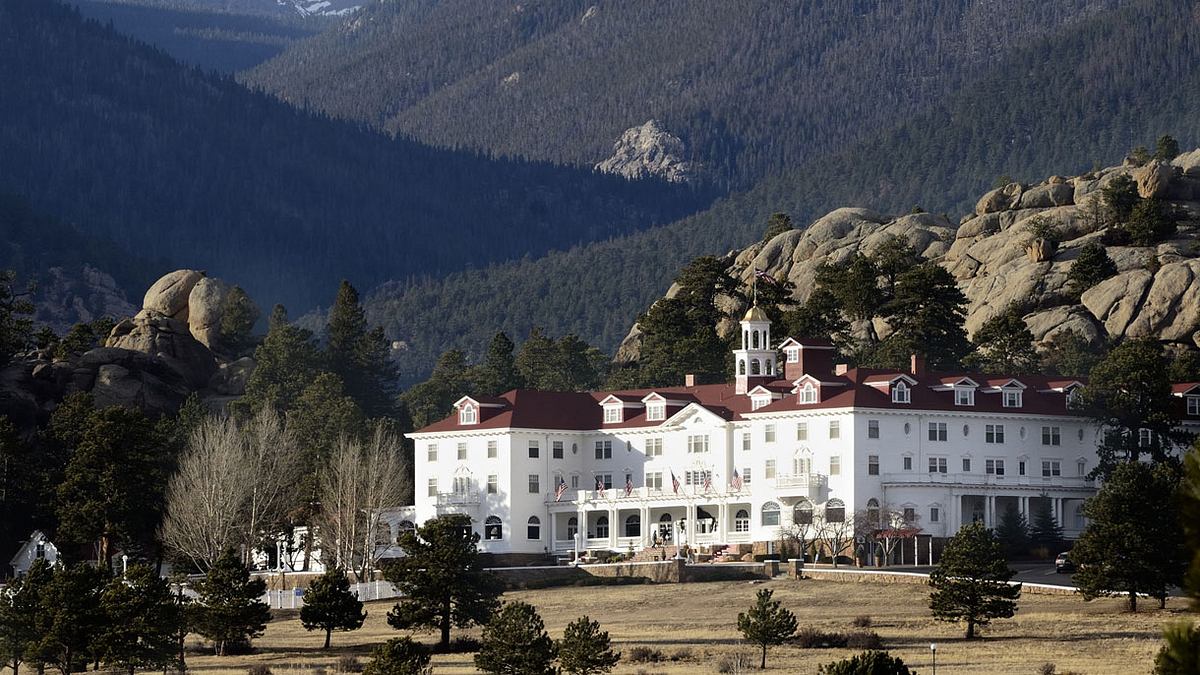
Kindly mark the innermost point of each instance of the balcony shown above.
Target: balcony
(807, 485)
(457, 501)
(986, 480)
(617, 495)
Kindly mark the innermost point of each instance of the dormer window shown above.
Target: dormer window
(792, 354)
(1011, 398)
(612, 414)
(757, 402)
(468, 414)
(1193, 406)
(964, 396)
(901, 393)
(656, 411)
(808, 393)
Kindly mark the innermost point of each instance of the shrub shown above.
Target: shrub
(585, 649)
(460, 645)
(258, 669)
(1150, 222)
(1047, 669)
(398, 656)
(1044, 228)
(682, 654)
(735, 663)
(1091, 267)
(348, 664)
(866, 639)
(515, 641)
(815, 638)
(862, 621)
(867, 663)
(643, 654)
(1120, 196)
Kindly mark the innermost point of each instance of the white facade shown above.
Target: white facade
(38, 547)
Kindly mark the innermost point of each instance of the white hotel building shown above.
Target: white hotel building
(806, 442)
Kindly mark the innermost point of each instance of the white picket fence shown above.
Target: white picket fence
(293, 598)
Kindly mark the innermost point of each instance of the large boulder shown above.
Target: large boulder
(1154, 179)
(1046, 196)
(169, 295)
(168, 339)
(1001, 199)
(205, 305)
(117, 385)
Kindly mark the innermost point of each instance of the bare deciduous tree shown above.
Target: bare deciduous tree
(836, 534)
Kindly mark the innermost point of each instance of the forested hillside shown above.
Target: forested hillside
(1058, 105)
(752, 88)
(170, 163)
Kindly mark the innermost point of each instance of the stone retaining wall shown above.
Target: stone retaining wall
(884, 577)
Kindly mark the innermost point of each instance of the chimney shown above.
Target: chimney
(815, 360)
(841, 368)
(918, 364)
(689, 380)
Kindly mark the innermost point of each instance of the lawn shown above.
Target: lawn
(698, 623)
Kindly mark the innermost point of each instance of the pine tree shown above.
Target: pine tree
(441, 581)
(498, 373)
(1069, 354)
(1119, 197)
(431, 400)
(767, 623)
(1013, 533)
(359, 355)
(287, 362)
(777, 224)
(585, 649)
(867, 663)
(515, 642)
(1091, 266)
(229, 611)
(892, 257)
(1180, 653)
(1133, 541)
(927, 316)
(855, 285)
(142, 621)
(19, 606)
(1167, 148)
(399, 656)
(69, 617)
(238, 316)
(970, 582)
(329, 605)
(1044, 529)
(16, 328)
(1004, 344)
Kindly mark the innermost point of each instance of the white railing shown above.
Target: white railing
(800, 480)
(468, 498)
(986, 479)
(293, 598)
(617, 494)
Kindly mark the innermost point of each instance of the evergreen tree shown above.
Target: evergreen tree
(1004, 344)
(1150, 222)
(1068, 354)
(767, 623)
(1044, 529)
(19, 607)
(287, 362)
(229, 611)
(515, 642)
(1133, 541)
(927, 316)
(1119, 197)
(498, 372)
(360, 356)
(1090, 268)
(970, 582)
(777, 224)
(329, 605)
(868, 663)
(585, 649)
(432, 399)
(16, 328)
(440, 579)
(70, 618)
(238, 316)
(854, 284)
(819, 316)
(1180, 653)
(399, 656)
(1166, 149)
(1013, 533)
(892, 257)
(537, 360)
(141, 622)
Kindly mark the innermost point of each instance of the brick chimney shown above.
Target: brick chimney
(918, 364)
(816, 359)
(841, 368)
(689, 380)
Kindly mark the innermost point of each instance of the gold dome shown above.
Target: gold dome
(755, 313)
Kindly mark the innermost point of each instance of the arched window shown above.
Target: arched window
(755, 367)
(664, 527)
(770, 514)
(602, 527)
(808, 393)
(835, 511)
(406, 526)
(873, 511)
(741, 366)
(900, 393)
(633, 526)
(770, 367)
(741, 521)
(491, 528)
(383, 535)
(802, 513)
(745, 339)
(572, 527)
(533, 528)
(754, 334)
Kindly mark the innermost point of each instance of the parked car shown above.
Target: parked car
(1063, 563)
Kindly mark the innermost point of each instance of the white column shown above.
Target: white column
(644, 514)
(613, 525)
(553, 531)
(691, 524)
(581, 518)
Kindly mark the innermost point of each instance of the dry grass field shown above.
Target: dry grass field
(698, 621)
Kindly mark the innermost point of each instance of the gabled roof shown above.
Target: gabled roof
(1185, 388)
(482, 401)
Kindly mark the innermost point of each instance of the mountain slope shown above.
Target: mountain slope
(1062, 104)
(173, 164)
(750, 87)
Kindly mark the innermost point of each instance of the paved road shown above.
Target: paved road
(1029, 573)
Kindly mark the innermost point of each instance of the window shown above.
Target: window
(432, 487)
(802, 431)
(535, 486)
(603, 449)
(872, 428)
(491, 449)
(792, 354)
(993, 433)
(462, 451)
(769, 469)
(759, 402)
(492, 484)
(575, 481)
(935, 514)
(835, 429)
(966, 464)
(656, 411)
(1011, 398)
(572, 527)
(612, 414)
(937, 465)
(802, 513)
(937, 431)
(534, 451)
(908, 462)
(1145, 438)
(872, 465)
(653, 447)
(1051, 436)
(994, 467)
(467, 415)
(835, 511)
(1080, 467)
(492, 529)
(808, 393)
(1021, 468)
(556, 449)
(533, 528)
(431, 452)
(770, 514)
(1051, 467)
(769, 433)
(654, 480)
(698, 443)
(741, 521)
(746, 476)
(462, 485)
(604, 479)
(910, 514)
(633, 526)
(1193, 406)
(602, 527)
(900, 393)
(964, 396)
(39, 551)
(835, 466)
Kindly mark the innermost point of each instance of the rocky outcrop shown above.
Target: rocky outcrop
(64, 297)
(999, 259)
(169, 295)
(205, 304)
(649, 150)
(168, 340)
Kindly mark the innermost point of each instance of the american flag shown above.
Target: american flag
(560, 490)
(766, 277)
(674, 482)
(628, 485)
(600, 486)
(707, 481)
(737, 481)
